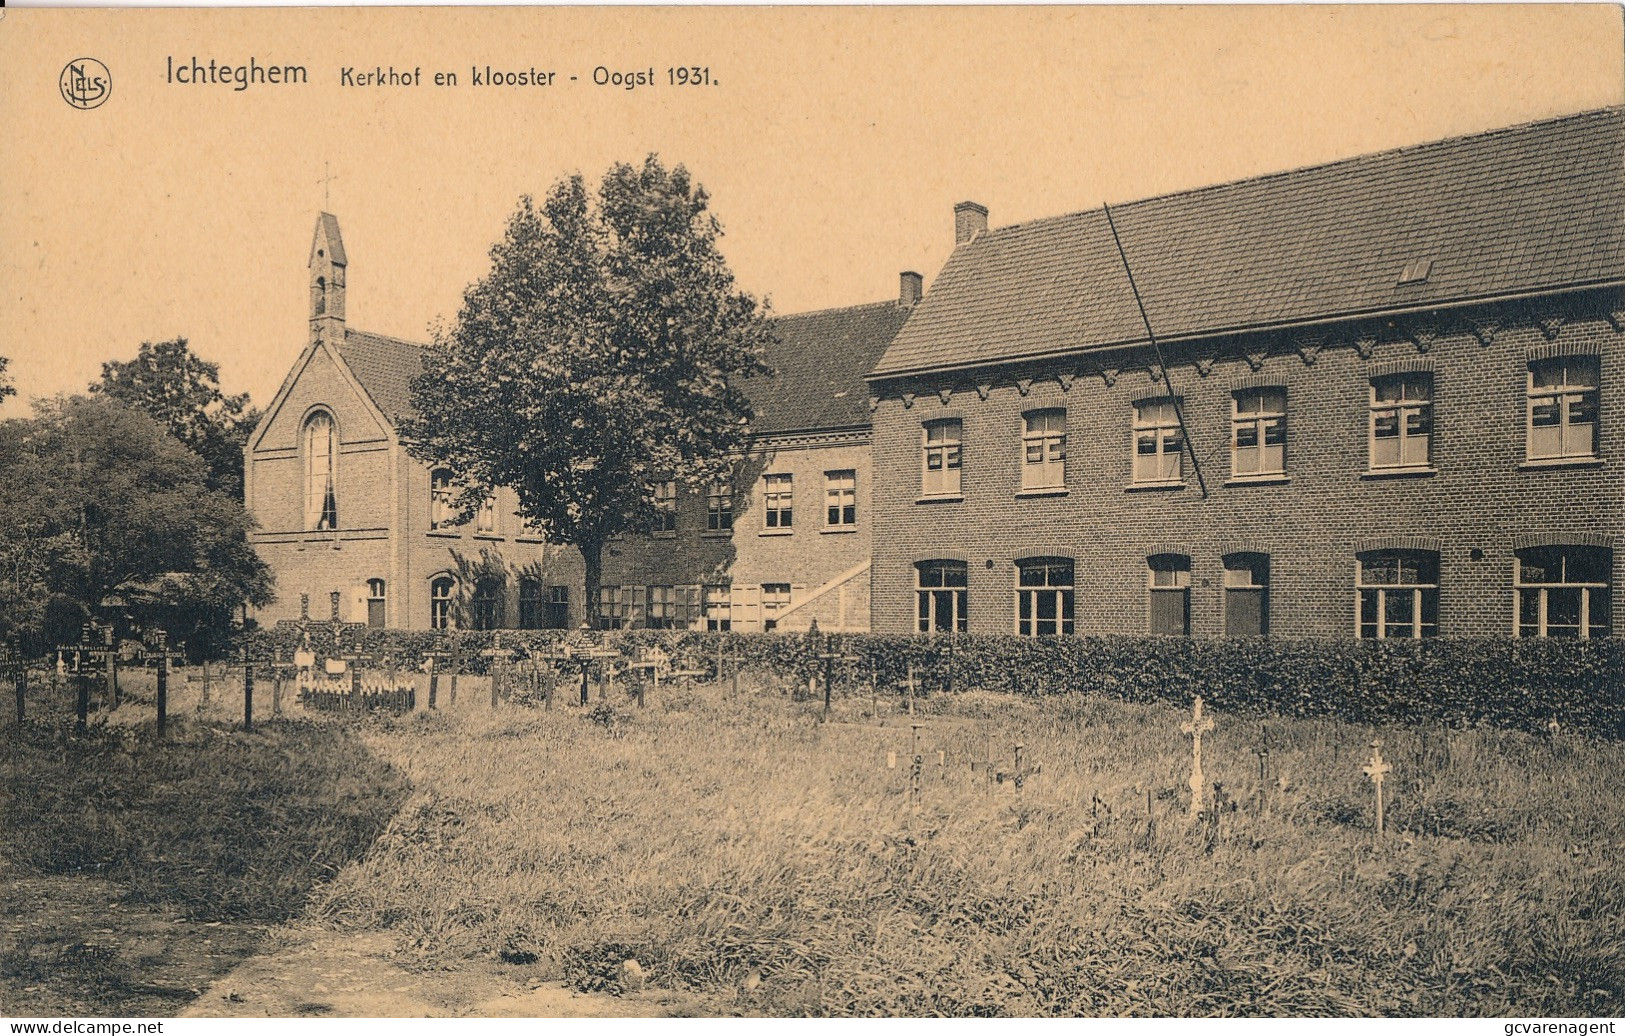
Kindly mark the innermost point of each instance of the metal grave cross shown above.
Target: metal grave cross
(829, 658)
(1198, 725)
(162, 657)
(1378, 770)
(94, 650)
(431, 662)
(13, 663)
(493, 655)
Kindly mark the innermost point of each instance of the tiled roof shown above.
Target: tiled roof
(385, 367)
(1528, 208)
(819, 364)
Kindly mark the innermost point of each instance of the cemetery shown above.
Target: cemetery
(829, 825)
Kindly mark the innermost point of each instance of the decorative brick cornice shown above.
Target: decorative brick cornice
(1371, 544)
(1412, 365)
(1552, 350)
(1523, 541)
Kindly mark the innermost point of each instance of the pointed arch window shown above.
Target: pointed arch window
(321, 444)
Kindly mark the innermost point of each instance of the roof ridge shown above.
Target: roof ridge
(348, 331)
(834, 309)
(1368, 156)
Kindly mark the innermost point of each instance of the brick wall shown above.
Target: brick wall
(806, 556)
(1476, 504)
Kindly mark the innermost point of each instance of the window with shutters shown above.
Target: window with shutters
(1169, 578)
(1246, 595)
(718, 608)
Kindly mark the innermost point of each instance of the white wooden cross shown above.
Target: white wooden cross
(1378, 769)
(1198, 725)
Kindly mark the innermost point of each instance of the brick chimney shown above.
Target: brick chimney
(912, 289)
(970, 219)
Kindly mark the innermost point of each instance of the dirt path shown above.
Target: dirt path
(306, 972)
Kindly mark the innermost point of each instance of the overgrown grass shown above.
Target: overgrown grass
(721, 842)
(223, 824)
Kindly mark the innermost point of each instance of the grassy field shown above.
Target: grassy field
(133, 872)
(747, 851)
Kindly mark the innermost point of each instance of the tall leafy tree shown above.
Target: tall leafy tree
(6, 387)
(173, 384)
(101, 511)
(602, 354)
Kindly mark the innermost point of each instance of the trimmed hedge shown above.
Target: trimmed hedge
(1503, 682)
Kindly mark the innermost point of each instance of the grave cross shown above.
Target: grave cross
(1378, 770)
(829, 658)
(1023, 769)
(431, 660)
(95, 646)
(1198, 725)
(917, 767)
(493, 655)
(14, 663)
(162, 655)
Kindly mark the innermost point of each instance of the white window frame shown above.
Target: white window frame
(485, 519)
(665, 503)
(442, 514)
(1405, 410)
(930, 597)
(1588, 591)
(1043, 448)
(1156, 423)
(611, 607)
(840, 499)
(1567, 395)
(942, 457)
(1256, 413)
(1418, 592)
(442, 616)
(778, 501)
(717, 606)
(1061, 595)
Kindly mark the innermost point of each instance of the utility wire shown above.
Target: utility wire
(1167, 378)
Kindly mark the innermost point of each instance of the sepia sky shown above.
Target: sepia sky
(834, 145)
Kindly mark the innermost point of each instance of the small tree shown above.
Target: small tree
(182, 391)
(6, 387)
(601, 355)
(99, 502)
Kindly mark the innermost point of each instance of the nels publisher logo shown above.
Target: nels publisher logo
(85, 83)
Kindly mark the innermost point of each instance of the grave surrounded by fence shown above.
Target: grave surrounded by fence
(356, 691)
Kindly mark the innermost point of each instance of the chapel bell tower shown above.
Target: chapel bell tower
(327, 264)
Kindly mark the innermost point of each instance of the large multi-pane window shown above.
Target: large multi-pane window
(485, 607)
(840, 498)
(718, 608)
(441, 590)
(1258, 432)
(1169, 578)
(1158, 444)
(943, 457)
(665, 508)
(485, 519)
(1397, 594)
(556, 613)
(1044, 604)
(1043, 449)
(719, 508)
(1401, 420)
(321, 472)
(778, 497)
(662, 608)
(530, 603)
(611, 607)
(940, 590)
(1563, 408)
(1563, 591)
(1246, 595)
(442, 513)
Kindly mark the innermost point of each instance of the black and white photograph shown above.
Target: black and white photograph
(812, 512)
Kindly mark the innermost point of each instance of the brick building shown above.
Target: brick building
(354, 528)
(789, 541)
(1392, 406)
